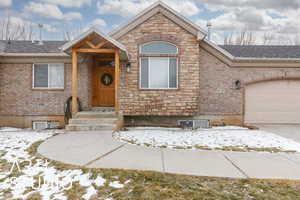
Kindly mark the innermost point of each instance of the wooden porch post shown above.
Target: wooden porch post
(117, 79)
(74, 82)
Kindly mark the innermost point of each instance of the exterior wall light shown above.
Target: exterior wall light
(128, 67)
(237, 84)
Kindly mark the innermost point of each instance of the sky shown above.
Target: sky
(266, 18)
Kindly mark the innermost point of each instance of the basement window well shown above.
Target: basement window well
(41, 125)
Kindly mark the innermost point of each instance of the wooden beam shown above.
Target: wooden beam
(101, 44)
(74, 82)
(79, 44)
(91, 45)
(96, 50)
(117, 79)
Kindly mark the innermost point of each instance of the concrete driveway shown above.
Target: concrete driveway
(101, 150)
(284, 130)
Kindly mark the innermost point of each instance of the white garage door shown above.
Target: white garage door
(273, 102)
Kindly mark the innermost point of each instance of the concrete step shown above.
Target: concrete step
(95, 115)
(103, 109)
(90, 127)
(94, 121)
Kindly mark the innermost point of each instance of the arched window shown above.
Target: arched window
(158, 65)
(158, 47)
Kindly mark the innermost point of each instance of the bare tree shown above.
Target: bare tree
(13, 31)
(243, 37)
(228, 39)
(295, 40)
(268, 38)
(281, 38)
(70, 33)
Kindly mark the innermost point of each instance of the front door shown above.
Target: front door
(103, 86)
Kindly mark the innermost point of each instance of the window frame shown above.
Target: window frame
(141, 45)
(162, 55)
(149, 84)
(48, 88)
(46, 122)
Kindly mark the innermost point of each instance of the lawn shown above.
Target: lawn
(109, 184)
(231, 138)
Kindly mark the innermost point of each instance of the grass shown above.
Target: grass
(225, 148)
(246, 149)
(150, 185)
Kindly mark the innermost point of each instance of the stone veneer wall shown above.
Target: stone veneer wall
(182, 101)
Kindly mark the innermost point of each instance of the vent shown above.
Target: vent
(194, 124)
(40, 125)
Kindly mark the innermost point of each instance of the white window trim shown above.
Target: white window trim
(33, 67)
(149, 68)
(140, 48)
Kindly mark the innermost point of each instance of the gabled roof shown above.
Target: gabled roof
(92, 30)
(159, 7)
(263, 51)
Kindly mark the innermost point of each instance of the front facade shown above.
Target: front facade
(156, 69)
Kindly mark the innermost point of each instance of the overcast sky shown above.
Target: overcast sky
(281, 17)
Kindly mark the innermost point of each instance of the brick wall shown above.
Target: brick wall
(183, 101)
(218, 95)
(17, 97)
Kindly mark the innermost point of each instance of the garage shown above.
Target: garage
(273, 102)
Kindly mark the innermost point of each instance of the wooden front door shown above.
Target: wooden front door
(103, 86)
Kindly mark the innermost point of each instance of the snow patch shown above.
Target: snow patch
(99, 181)
(116, 184)
(216, 137)
(89, 193)
(13, 148)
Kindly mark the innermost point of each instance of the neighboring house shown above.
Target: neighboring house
(156, 69)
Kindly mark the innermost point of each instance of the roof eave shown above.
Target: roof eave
(34, 54)
(233, 61)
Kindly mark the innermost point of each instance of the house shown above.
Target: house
(156, 69)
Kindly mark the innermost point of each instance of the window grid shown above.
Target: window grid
(49, 65)
(141, 46)
(162, 55)
(149, 77)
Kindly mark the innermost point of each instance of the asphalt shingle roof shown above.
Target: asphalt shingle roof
(246, 51)
(19, 46)
(263, 51)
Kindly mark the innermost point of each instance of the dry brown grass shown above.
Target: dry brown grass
(148, 185)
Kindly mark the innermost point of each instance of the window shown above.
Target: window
(48, 76)
(158, 47)
(40, 125)
(158, 71)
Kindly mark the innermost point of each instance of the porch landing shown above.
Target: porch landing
(100, 119)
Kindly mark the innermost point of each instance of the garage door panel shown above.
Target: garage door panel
(276, 118)
(273, 106)
(273, 102)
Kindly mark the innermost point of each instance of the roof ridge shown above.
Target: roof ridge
(143, 15)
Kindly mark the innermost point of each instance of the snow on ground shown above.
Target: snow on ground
(215, 137)
(13, 146)
(116, 184)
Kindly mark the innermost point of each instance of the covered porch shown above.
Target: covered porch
(106, 55)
